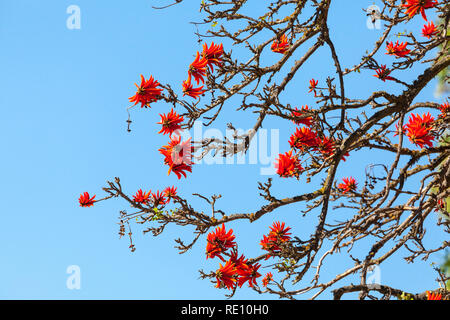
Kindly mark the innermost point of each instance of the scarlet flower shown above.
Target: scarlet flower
(303, 137)
(445, 109)
(440, 205)
(398, 50)
(288, 165)
(170, 193)
(141, 196)
(159, 199)
(429, 30)
(225, 276)
(383, 73)
(240, 262)
(433, 296)
(299, 113)
(349, 184)
(248, 273)
(312, 85)
(188, 89)
(85, 200)
(177, 155)
(418, 130)
(213, 55)
(170, 122)
(147, 92)
(219, 242)
(279, 233)
(416, 6)
(326, 146)
(267, 279)
(280, 45)
(197, 69)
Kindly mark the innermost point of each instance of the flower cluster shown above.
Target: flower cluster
(147, 92)
(86, 200)
(413, 7)
(155, 200)
(304, 139)
(210, 57)
(398, 49)
(280, 45)
(418, 130)
(277, 236)
(348, 185)
(237, 270)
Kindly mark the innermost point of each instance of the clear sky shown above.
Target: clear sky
(63, 99)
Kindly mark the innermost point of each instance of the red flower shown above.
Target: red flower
(147, 92)
(429, 30)
(170, 193)
(279, 233)
(177, 155)
(297, 113)
(288, 165)
(440, 205)
(281, 45)
(416, 6)
(398, 50)
(445, 109)
(433, 296)
(418, 130)
(159, 199)
(312, 85)
(240, 262)
(349, 184)
(141, 196)
(248, 273)
(303, 137)
(267, 279)
(219, 241)
(213, 55)
(85, 200)
(383, 73)
(170, 122)
(188, 89)
(197, 69)
(327, 147)
(225, 276)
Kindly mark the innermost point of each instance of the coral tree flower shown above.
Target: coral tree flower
(225, 276)
(85, 200)
(429, 30)
(307, 121)
(418, 130)
(278, 234)
(178, 156)
(397, 49)
(213, 55)
(219, 242)
(280, 45)
(349, 185)
(188, 89)
(197, 69)
(267, 279)
(147, 92)
(445, 109)
(413, 7)
(312, 86)
(159, 199)
(170, 122)
(383, 73)
(170, 192)
(433, 296)
(303, 138)
(142, 196)
(248, 273)
(288, 165)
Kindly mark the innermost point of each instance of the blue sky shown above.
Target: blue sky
(63, 98)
